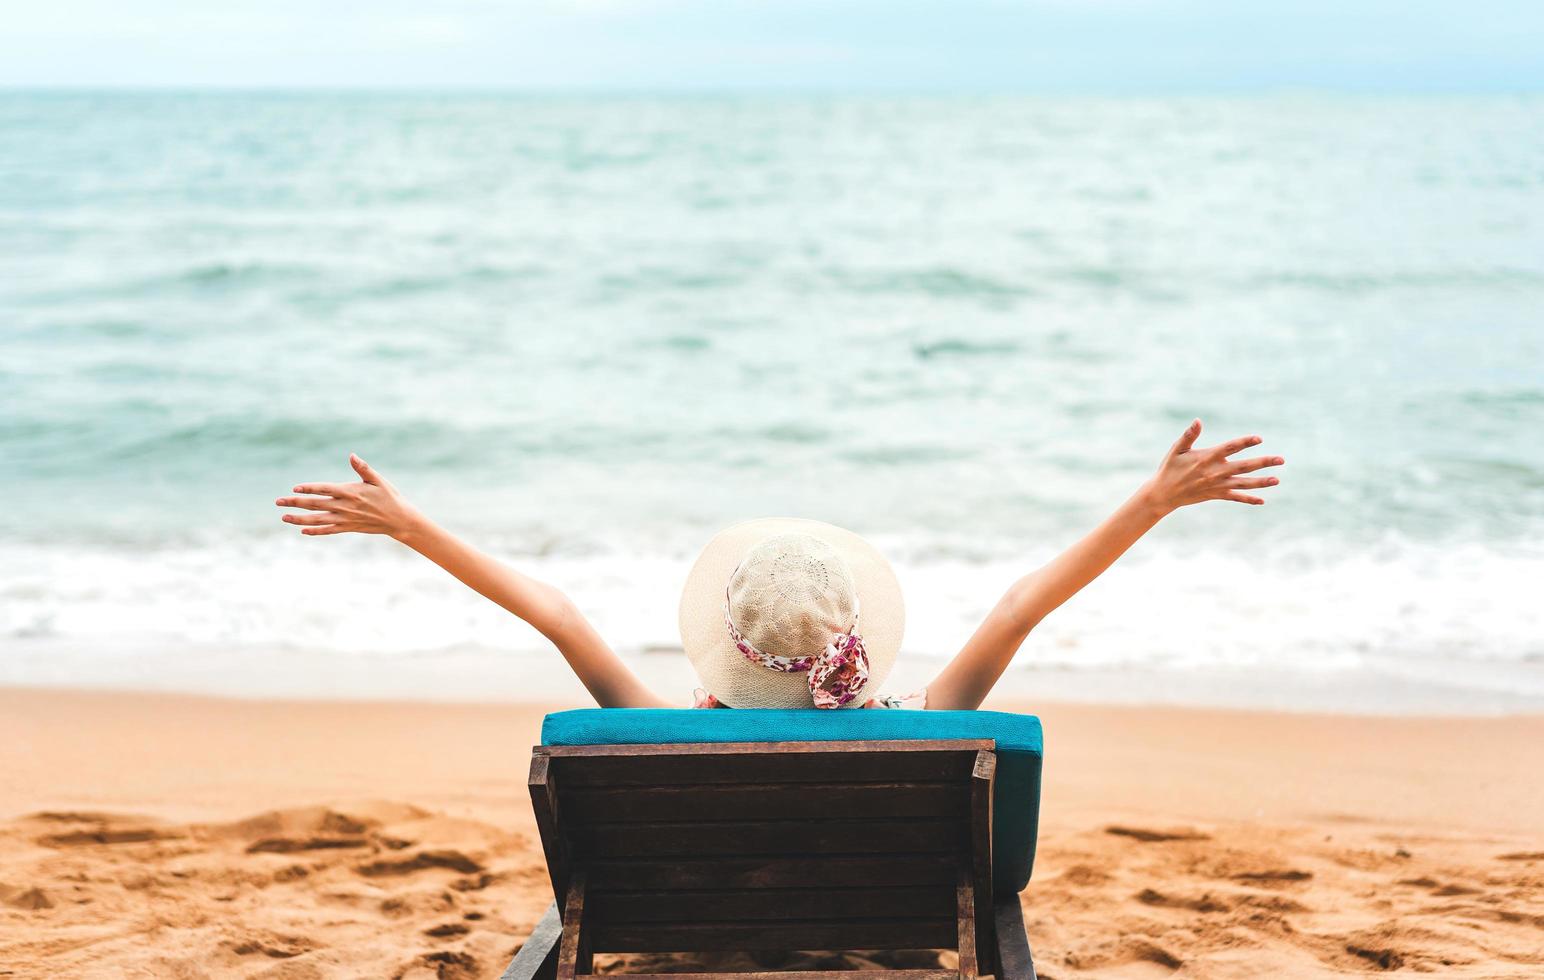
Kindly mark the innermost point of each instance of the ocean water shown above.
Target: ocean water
(588, 332)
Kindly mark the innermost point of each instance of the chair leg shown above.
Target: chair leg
(965, 917)
(574, 958)
(1013, 954)
(538, 957)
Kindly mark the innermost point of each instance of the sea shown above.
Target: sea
(586, 332)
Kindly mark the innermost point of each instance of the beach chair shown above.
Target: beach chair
(779, 830)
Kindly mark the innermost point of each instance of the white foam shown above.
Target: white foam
(1462, 618)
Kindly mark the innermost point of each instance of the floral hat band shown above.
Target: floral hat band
(837, 675)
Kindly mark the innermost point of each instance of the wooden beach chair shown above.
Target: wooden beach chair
(702, 830)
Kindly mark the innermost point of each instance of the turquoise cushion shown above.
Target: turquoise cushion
(1016, 804)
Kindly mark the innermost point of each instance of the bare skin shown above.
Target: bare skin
(1186, 476)
(373, 506)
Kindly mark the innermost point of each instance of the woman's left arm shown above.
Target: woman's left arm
(1186, 476)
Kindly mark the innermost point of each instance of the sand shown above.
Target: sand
(183, 837)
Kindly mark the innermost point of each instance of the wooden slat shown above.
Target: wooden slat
(981, 781)
(574, 947)
(791, 837)
(965, 921)
(774, 871)
(537, 957)
(684, 937)
(917, 746)
(759, 904)
(740, 764)
(544, 804)
(767, 801)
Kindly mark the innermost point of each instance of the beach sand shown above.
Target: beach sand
(167, 836)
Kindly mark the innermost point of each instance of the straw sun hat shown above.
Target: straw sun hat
(789, 613)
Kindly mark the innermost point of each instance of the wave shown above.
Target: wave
(1367, 282)
(941, 282)
(146, 433)
(963, 347)
(200, 279)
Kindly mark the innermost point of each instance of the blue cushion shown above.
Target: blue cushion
(1016, 803)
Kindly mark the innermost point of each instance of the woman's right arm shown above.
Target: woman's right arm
(1186, 476)
(373, 506)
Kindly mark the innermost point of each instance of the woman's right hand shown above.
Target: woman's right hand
(372, 506)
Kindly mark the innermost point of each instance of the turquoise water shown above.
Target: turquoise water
(588, 332)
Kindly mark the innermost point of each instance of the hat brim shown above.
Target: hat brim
(736, 681)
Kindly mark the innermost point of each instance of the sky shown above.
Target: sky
(1099, 46)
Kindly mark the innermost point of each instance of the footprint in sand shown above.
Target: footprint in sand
(291, 845)
(442, 965)
(106, 835)
(1125, 952)
(1439, 889)
(454, 860)
(1282, 875)
(1085, 876)
(1206, 903)
(1156, 836)
(431, 904)
(476, 884)
(1383, 958)
(27, 899)
(1521, 856)
(274, 947)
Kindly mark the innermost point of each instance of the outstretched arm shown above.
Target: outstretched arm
(1186, 476)
(374, 506)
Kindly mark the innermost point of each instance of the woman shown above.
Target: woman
(789, 613)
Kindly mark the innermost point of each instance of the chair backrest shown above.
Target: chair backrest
(1016, 794)
(769, 845)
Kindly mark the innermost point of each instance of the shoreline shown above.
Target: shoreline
(483, 675)
(137, 833)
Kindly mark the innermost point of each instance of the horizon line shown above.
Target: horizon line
(712, 91)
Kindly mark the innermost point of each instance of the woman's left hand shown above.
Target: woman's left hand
(1188, 475)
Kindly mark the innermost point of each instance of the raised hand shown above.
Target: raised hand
(1188, 475)
(372, 506)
